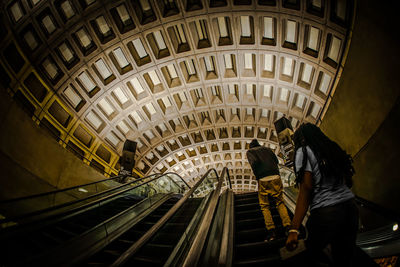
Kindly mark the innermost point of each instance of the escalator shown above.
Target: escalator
(170, 240)
(122, 228)
(40, 239)
(165, 240)
(113, 250)
(27, 209)
(237, 236)
(250, 247)
(19, 208)
(78, 230)
(155, 223)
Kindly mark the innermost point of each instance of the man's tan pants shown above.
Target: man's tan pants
(272, 185)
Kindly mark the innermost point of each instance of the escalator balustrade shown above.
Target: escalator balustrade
(114, 249)
(30, 244)
(66, 235)
(157, 250)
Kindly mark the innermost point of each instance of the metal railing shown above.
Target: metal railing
(76, 204)
(214, 243)
(196, 248)
(30, 197)
(202, 189)
(148, 193)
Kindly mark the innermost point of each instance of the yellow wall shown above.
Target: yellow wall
(364, 114)
(31, 162)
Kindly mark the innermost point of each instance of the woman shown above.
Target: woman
(324, 170)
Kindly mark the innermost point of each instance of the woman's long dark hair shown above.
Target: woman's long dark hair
(333, 161)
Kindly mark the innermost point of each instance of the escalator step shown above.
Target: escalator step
(124, 206)
(175, 227)
(246, 194)
(97, 264)
(50, 239)
(108, 255)
(143, 261)
(262, 260)
(257, 234)
(247, 206)
(253, 213)
(120, 245)
(241, 215)
(255, 249)
(154, 217)
(133, 234)
(109, 212)
(257, 222)
(65, 232)
(74, 227)
(166, 238)
(148, 251)
(91, 222)
(162, 210)
(144, 226)
(126, 241)
(252, 235)
(246, 200)
(182, 218)
(112, 252)
(101, 259)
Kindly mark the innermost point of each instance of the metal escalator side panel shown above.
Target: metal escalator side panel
(183, 244)
(198, 242)
(57, 208)
(218, 249)
(226, 250)
(149, 234)
(95, 238)
(49, 222)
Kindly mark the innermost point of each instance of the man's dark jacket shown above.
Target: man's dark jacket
(263, 161)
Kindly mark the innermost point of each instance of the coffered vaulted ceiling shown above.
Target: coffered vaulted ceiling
(191, 81)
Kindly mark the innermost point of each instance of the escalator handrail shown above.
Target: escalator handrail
(60, 190)
(66, 204)
(291, 196)
(71, 212)
(124, 257)
(62, 256)
(225, 256)
(183, 180)
(384, 212)
(389, 214)
(87, 205)
(229, 178)
(196, 248)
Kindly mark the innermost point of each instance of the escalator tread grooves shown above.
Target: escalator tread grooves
(131, 235)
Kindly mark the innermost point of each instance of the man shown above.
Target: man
(264, 164)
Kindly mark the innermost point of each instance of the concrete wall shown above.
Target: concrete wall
(31, 162)
(364, 114)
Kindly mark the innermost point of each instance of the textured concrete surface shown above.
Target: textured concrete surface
(359, 117)
(31, 161)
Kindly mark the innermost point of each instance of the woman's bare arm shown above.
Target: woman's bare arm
(302, 204)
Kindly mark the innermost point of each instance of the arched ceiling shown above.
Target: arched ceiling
(191, 81)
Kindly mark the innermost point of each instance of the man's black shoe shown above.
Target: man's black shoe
(271, 235)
